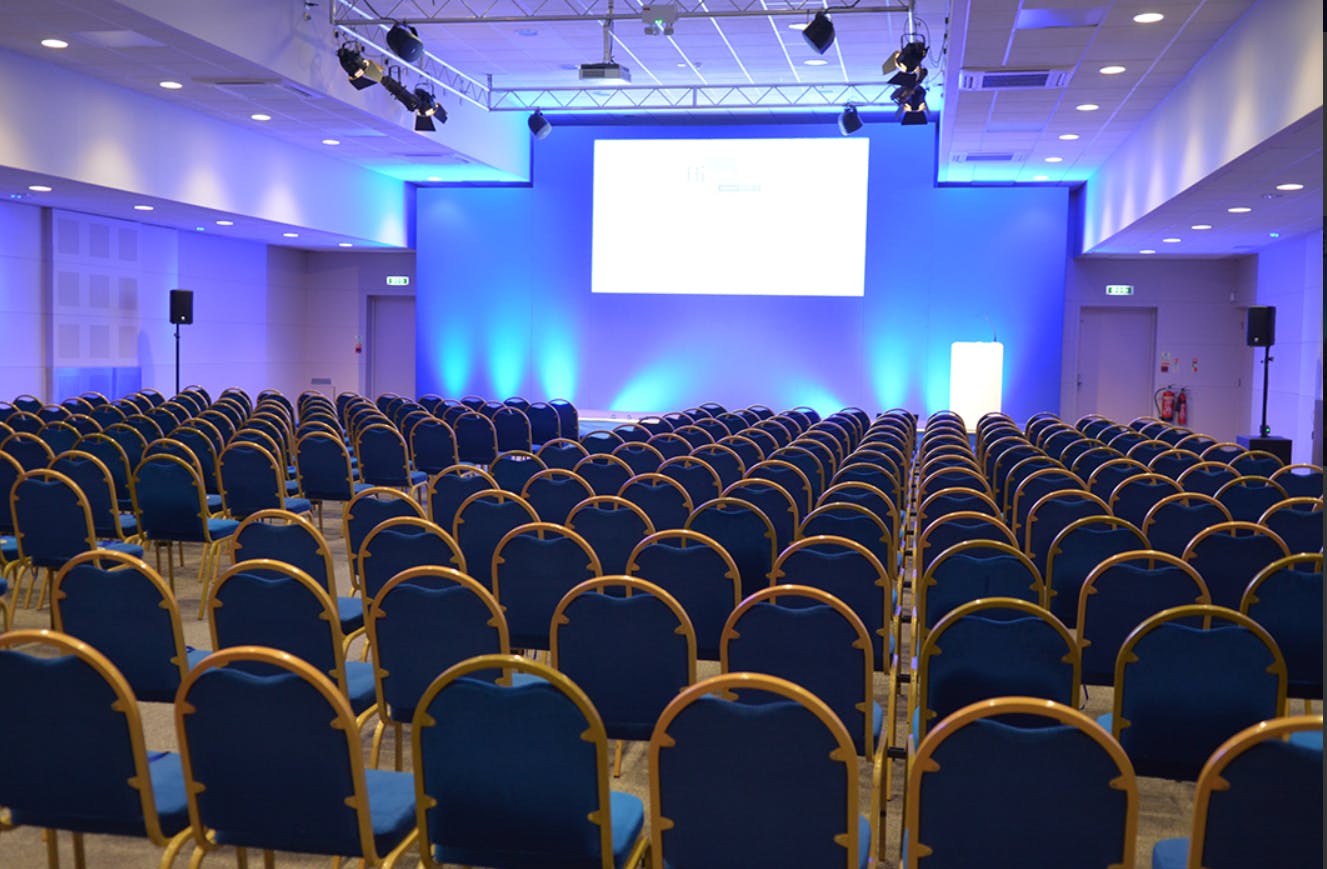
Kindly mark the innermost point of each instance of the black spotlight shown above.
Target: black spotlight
(427, 108)
(405, 43)
(819, 33)
(911, 56)
(539, 125)
(363, 72)
(398, 90)
(914, 108)
(849, 122)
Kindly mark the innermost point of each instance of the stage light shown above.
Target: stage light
(405, 43)
(363, 72)
(914, 108)
(398, 90)
(427, 108)
(849, 121)
(819, 34)
(658, 19)
(539, 125)
(911, 56)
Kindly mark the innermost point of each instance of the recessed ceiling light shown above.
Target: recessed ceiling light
(800, 25)
(1239, 209)
(1201, 226)
(170, 85)
(1054, 159)
(1041, 177)
(225, 223)
(199, 229)
(55, 43)
(435, 178)
(526, 31)
(1148, 17)
(1273, 235)
(331, 141)
(39, 188)
(144, 208)
(344, 244)
(1068, 137)
(815, 61)
(1147, 250)
(1171, 240)
(1114, 69)
(1290, 187)
(1087, 107)
(259, 116)
(290, 235)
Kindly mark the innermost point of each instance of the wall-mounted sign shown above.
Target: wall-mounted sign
(1119, 289)
(404, 281)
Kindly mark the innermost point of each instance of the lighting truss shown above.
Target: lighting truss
(352, 21)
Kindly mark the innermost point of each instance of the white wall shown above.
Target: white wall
(23, 359)
(1199, 314)
(1288, 276)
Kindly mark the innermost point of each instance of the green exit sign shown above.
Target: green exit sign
(1119, 289)
(398, 280)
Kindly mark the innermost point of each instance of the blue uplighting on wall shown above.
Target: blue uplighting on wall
(504, 301)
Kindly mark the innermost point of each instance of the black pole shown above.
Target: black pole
(177, 369)
(1265, 429)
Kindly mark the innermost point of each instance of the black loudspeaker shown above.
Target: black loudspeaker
(182, 307)
(1262, 326)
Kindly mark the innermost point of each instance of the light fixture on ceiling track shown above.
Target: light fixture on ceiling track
(363, 72)
(849, 121)
(403, 95)
(904, 68)
(819, 34)
(405, 43)
(658, 19)
(539, 125)
(609, 71)
(427, 110)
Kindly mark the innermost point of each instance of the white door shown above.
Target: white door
(1116, 347)
(391, 350)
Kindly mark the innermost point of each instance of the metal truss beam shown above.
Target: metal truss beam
(533, 11)
(692, 98)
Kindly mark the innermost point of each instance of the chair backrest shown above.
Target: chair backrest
(120, 606)
(1122, 591)
(544, 422)
(1248, 497)
(553, 492)
(1076, 551)
(1207, 477)
(662, 498)
(28, 450)
(1230, 554)
(401, 543)
(534, 566)
(366, 510)
(788, 765)
(1050, 514)
(612, 526)
(605, 473)
(854, 522)
(994, 647)
(1062, 794)
(745, 533)
(262, 765)
(848, 571)
(1300, 480)
(1286, 599)
(1174, 520)
(854, 492)
(432, 445)
(1189, 678)
(476, 438)
(252, 479)
(1259, 798)
(791, 478)
(699, 573)
(630, 647)
(97, 483)
(83, 764)
(544, 733)
(52, 518)
(322, 463)
(1104, 479)
(383, 459)
(169, 499)
(1134, 496)
(813, 639)
(724, 460)
(286, 537)
(695, 475)
(958, 527)
(972, 570)
(1173, 462)
(422, 621)
(640, 456)
(775, 502)
(1297, 521)
(481, 521)
(560, 452)
(1032, 488)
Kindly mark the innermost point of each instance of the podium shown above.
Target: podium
(976, 379)
(1279, 447)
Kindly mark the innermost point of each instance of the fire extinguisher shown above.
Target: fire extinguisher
(1182, 408)
(1164, 399)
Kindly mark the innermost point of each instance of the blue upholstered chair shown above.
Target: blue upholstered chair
(1076, 551)
(778, 505)
(699, 573)
(1286, 599)
(481, 521)
(1176, 519)
(512, 469)
(1248, 497)
(401, 543)
(272, 760)
(561, 452)
(969, 571)
(1297, 521)
(662, 498)
(367, 510)
(384, 459)
(985, 792)
(470, 734)
(432, 445)
(120, 606)
(605, 473)
(612, 526)
(554, 492)
(1186, 680)
(745, 533)
(726, 772)
(82, 765)
(1258, 802)
(1229, 555)
(856, 523)
(254, 479)
(1300, 480)
(533, 566)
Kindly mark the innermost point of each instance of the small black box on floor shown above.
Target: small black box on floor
(1279, 447)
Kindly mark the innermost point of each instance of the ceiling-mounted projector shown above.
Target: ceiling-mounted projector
(605, 73)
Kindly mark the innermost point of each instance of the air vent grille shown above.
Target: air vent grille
(988, 157)
(1012, 79)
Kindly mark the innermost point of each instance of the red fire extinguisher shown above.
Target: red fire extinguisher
(1165, 402)
(1182, 408)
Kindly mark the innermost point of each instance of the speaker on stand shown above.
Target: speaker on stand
(1261, 332)
(181, 313)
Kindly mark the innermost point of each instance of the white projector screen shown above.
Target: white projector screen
(769, 217)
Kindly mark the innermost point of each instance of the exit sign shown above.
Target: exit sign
(404, 281)
(1119, 289)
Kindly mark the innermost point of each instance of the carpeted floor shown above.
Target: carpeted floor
(1165, 806)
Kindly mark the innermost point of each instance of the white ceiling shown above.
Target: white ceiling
(1000, 137)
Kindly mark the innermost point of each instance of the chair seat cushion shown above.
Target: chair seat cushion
(292, 487)
(120, 546)
(8, 548)
(863, 842)
(418, 478)
(359, 685)
(628, 819)
(167, 777)
(297, 505)
(1170, 854)
(220, 528)
(213, 503)
(168, 791)
(350, 612)
(195, 656)
(391, 807)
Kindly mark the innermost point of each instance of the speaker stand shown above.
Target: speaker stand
(1265, 429)
(177, 372)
